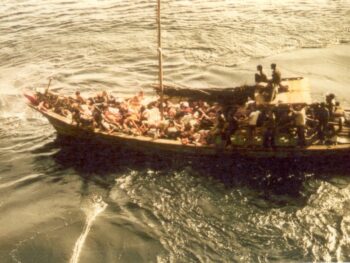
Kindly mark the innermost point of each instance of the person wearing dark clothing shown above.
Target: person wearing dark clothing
(276, 75)
(301, 135)
(330, 104)
(262, 83)
(260, 76)
(76, 115)
(331, 135)
(269, 135)
(322, 115)
(220, 126)
(97, 117)
(274, 84)
(233, 126)
(284, 117)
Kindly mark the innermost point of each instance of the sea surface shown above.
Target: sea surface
(69, 202)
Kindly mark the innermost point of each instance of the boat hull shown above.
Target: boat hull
(162, 147)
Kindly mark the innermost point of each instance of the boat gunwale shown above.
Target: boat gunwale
(284, 150)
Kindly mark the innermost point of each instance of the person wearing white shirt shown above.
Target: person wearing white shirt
(252, 122)
(300, 122)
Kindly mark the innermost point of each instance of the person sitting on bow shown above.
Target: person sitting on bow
(276, 79)
(260, 76)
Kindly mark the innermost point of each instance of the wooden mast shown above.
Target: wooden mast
(160, 61)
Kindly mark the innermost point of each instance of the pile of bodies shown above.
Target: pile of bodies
(196, 122)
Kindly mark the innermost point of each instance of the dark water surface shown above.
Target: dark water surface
(66, 202)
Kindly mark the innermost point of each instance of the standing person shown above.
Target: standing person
(340, 114)
(260, 76)
(219, 128)
(276, 75)
(252, 123)
(232, 127)
(330, 103)
(300, 121)
(76, 114)
(273, 84)
(97, 117)
(270, 125)
(323, 119)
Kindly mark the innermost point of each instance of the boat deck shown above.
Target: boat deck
(297, 92)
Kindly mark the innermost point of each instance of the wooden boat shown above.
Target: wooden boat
(298, 93)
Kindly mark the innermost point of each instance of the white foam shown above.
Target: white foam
(95, 206)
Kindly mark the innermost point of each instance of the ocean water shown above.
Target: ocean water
(63, 202)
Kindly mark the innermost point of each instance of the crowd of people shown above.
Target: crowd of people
(198, 122)
(195, 122)
(317, 118)
(202, 123)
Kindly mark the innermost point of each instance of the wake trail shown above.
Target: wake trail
(94, 208)
(32, 176)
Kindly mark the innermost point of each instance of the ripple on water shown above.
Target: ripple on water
(316, 228)
(161, 214)
(192, 217)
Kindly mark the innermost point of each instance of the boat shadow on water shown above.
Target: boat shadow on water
(99, 162)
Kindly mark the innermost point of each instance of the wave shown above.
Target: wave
(22, 179)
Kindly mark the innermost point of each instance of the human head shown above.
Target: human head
(301, 106)
(259, 67)
(112, 100)
(273, 66)
(77, 93)
(184, 104)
